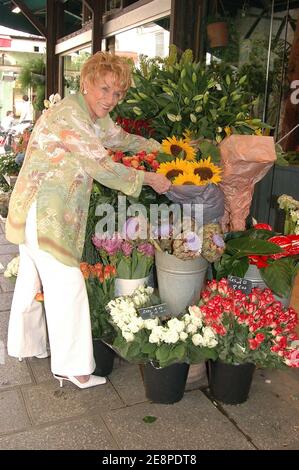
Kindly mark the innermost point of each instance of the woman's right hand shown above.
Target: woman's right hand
(159, 183)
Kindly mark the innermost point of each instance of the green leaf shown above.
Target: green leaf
(240, 247)
(208, 149)
(279, 276)
(164, 157)
(149, 419)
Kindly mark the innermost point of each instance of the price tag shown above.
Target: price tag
(160, 310)
(239, 283)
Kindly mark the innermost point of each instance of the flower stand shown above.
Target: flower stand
(104, 357)
(164, 385)
(230, 383)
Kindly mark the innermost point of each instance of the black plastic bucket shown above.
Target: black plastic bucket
(104, 357)
(230, 383)
(165, 385)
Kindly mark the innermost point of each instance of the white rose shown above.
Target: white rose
(183, 336)
(150, 323)
(176, 325)
(191, 328)
(197, 339)
(170, 337)
(128, 336)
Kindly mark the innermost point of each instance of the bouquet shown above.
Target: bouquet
(249, 327)
(162, 341)
(99, 282)
(276, 257)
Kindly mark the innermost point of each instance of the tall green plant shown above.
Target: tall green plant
(32, 76)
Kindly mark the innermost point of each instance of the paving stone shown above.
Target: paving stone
(8, 248)
(12, 411)
(4, 317)
(192, 423)
(3, 240)
(123, 377)
(41, 368)
(13, 372)
(48, 402)
(5, 301)
(88, 433)
(6, 284)
(4, 260)
(266, 416)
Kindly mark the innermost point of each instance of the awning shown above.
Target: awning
(72, 15)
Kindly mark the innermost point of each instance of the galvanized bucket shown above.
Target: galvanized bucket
(253, 275)
(180, 282)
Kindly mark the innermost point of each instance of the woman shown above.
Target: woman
(48, 212)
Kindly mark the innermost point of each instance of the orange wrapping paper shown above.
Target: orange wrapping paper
(245, 160)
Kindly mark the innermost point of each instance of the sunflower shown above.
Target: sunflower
(175, 147)
(187, 179)
(206, 171)
(173, 169)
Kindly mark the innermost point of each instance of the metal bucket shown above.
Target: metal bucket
(253, 275)
(180, 282)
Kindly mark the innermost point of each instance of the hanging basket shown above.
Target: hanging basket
(217, 34)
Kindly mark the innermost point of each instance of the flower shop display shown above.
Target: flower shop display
(245, 160)
(249, 328)
(99, 282)
(158, 341)
(274, 257)
(291, 209)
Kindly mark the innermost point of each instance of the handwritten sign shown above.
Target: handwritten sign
(160, 310)
(239, 283)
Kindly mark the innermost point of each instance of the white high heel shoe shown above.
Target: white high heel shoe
(93, 381)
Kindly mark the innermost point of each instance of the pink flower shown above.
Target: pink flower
(147, 249)
(127, 248)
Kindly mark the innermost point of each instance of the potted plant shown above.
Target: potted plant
(250, 329)
(132, 257)
(165, 346)
(271, 258)
(99, 282)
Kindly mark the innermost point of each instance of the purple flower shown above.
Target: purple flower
(218, 240)
(126, 248)
(112, 245)
(146, 248)
(165, 230)
(97, 241)
(193, 241)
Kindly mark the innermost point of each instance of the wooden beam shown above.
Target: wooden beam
(53, 13)
(185, 25)
(31, 17)
(97, 7)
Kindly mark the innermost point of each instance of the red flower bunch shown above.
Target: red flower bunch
(288, 243)
(141, 161)
(250, 327)
(135, 126)
(98, 270)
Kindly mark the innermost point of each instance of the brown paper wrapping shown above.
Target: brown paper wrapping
(245, 160)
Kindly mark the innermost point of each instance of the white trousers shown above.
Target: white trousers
(66, 306)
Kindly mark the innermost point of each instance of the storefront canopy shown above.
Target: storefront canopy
(18, 21)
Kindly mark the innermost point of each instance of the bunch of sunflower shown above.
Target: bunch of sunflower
(183, 168)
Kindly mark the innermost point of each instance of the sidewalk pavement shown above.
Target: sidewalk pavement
(36, 414)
